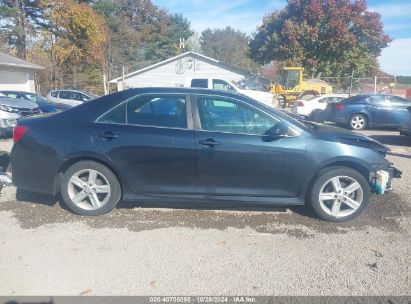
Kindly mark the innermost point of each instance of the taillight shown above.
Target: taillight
(339, 107)
(301, 104)
(19, 132)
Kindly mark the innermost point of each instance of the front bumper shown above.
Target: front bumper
(381, 180)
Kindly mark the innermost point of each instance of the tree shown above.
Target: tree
(227, 45)
(168, 44)
(75, 41)
(18, 18)
(333, 37)
(140, 33)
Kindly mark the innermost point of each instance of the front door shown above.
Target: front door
(150, 140)
(235, 157)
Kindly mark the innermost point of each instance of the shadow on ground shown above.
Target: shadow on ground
(393, 140)
(33, 211)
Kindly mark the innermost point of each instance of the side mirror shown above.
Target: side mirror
(279, 130)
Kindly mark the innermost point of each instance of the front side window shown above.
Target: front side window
(65, 95)
(77, 96)
(226, 115)
(222, 85)
(151, 110)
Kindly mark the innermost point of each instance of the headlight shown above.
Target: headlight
(8, 123)
(8, 109)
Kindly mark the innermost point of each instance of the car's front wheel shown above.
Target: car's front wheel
(358, 122)
(90, 188)
(339, 194)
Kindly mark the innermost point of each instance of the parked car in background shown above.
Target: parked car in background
(405, 129)
(180, 144)
(225, 85)
(305, 107)
(369, 110)
(11, 109)
(45, 105)
(70, 97)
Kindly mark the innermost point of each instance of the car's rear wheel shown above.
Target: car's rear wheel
(358, 122)
(90, 188)
(339, 194)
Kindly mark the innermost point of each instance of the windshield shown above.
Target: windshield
(289, 79)
(35, 98)
(93, 96)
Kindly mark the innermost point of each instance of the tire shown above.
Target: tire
(358, 122)
(347, 206)
(94, 186)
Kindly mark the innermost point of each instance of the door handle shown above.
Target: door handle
(107, 135)
(209, 142)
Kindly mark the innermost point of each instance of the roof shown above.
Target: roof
(10, 61)
(190, 53)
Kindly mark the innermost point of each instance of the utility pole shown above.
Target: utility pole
(375, 84)
(395, 84)
(122, 78)
(352, 76)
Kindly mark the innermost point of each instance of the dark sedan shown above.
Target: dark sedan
(197, 145)
(370, 110)
(405, 129)
(46, 106)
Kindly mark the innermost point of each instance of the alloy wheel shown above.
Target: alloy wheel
(89, 189)
(358, 122)
(341, 196)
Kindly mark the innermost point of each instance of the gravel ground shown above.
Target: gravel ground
(198, 250)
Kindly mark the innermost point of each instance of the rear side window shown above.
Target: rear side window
(54, 94)
(399, 102)
(378, 100)
(199, 83)
(65, 95)
(153, 110)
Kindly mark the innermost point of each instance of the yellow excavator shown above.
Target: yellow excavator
(292, 86)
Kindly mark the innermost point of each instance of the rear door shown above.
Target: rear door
(380, 110)
(399, 111)
(235, 157)
(150, 140)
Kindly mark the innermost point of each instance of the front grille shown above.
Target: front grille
(28, 112)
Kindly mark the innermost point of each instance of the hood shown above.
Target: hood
(349, 137)
(256, 93)
(261, 96)
(18, 103)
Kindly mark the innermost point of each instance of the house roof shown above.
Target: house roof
(10, 61)
(190, 53)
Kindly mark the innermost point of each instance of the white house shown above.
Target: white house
(173, 72)
(17, 74)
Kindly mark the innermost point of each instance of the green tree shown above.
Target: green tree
(168, 44)
(333, 37)
(18, 17)
(227, 45)
(140, 33)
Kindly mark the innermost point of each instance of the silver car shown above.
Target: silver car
(11, 109)
(70, 97)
